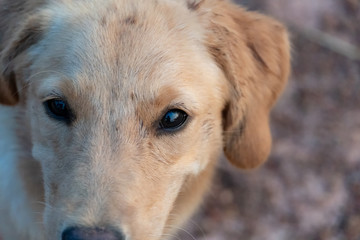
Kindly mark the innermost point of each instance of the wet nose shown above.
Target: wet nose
(80, 233)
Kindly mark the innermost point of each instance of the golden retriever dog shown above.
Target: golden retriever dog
(114, 112)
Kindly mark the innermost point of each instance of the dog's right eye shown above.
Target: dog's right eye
(58, 109)
(173, 120)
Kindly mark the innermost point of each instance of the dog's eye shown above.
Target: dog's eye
(173, 119)
(58, 109)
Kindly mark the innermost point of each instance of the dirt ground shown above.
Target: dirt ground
(310, 187)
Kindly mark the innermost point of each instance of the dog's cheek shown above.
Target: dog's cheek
(39, 132)
(209, 144)
(45, 132)
(43, 139)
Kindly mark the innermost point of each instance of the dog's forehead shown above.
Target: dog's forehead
(130, 51)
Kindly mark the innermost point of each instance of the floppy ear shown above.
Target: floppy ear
(12, 57)
(253, 52)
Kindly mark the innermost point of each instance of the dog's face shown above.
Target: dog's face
(125, 115)
(131, 103)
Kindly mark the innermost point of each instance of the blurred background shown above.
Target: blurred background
(310, 187)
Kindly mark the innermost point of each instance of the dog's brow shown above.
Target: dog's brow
(179, 105)
(172, 97)
(54, 94)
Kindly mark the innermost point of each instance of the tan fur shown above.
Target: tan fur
(121, 64)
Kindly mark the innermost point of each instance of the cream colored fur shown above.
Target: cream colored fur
(120, 64)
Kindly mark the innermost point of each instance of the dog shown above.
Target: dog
(114, 112)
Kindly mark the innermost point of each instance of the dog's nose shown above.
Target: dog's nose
(79, 233)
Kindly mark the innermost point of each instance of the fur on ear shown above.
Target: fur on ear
(254, 53)
(11, 57)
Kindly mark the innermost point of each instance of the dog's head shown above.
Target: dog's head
(131, 102)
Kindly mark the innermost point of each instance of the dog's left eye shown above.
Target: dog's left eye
(58, 109)
(173, 119)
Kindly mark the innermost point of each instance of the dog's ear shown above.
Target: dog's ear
(12, 57)
(253, 52)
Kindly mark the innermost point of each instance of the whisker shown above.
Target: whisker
(187, 232)
(171, 235)
(197, 226)
(181, 229)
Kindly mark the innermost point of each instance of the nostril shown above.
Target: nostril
(81, 233)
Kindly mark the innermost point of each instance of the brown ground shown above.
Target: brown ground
(310, 187)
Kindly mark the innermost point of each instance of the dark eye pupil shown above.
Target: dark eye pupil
(173, 119)
(57, 109)
(59, 106)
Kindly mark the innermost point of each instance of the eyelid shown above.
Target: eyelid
(53, 95)
(180, 106)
